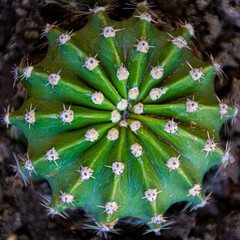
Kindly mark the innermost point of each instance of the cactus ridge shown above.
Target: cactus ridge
(121, 119)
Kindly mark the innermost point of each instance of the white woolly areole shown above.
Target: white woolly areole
(195, 190)
(227, 158)
(171, 127)
(28, 165)
(113, 134)
(142, 46)
(203, 203)
(91, 135)
(118, 168)
(99, 9)
(103, 228)
(138, 108)
(143, 4)
(158, 219)
(123, 123)
(133, 93)
(86, 173)
(192, 106)
(151, 194)
(30, 117)
(52, 154)
(122, 105)
(63, 38)
(115, 116)
(27, 71)
(6, 118)
(196, 73)
(173, 163)
(223, 108)
(157, 72)
(136, 149)
(135, 125)
(156, 93)
(97, 98)
(109, 32)
(67, 115)
(66, 198)
(47, 29)
(190, 28)
(210, 145)
(122, 73)
(179, 42)
(54, 78)
(52, 211)
(146, 16)
(217, 66)
(111, 207)
(91, 63)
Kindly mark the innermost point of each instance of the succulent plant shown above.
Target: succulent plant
(121, 119)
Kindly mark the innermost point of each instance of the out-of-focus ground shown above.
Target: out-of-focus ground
(217, 24)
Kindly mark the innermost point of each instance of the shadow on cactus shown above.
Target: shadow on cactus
(121, 119)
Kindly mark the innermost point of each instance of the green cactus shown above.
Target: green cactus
(120, 119)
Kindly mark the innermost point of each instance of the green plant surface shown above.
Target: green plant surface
(79, 139)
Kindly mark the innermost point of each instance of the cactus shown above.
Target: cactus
(121, 119)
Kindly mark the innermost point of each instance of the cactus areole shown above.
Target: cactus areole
(121, 119)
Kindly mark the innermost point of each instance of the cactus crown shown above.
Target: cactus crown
(120, 118)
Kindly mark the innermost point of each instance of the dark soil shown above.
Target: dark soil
(217, 24)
